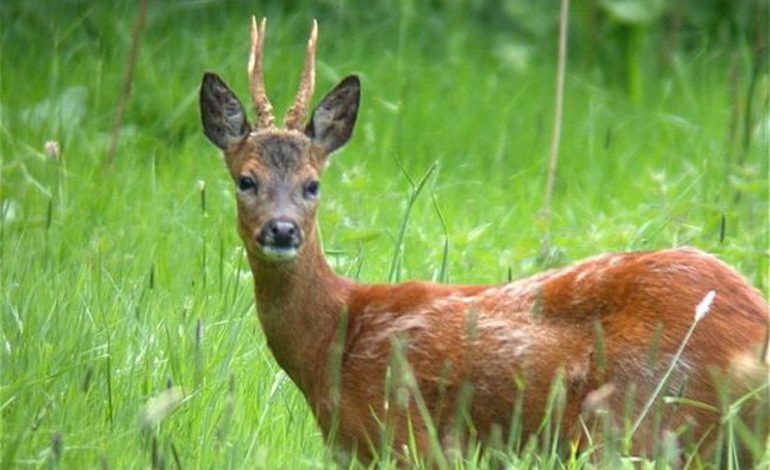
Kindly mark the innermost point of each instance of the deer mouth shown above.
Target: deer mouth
(278, 252)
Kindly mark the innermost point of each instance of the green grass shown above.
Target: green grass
(116, 284)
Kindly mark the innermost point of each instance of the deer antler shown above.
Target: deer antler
(262, 105)
(296, 114)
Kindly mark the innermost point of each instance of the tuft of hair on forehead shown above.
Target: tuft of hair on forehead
(281, 151)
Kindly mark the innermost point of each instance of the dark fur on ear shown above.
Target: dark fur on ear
(334, 118)
(224, 121)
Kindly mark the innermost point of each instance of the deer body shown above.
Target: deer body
(510, 341)
(377, 362)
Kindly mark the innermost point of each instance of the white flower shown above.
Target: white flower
(52, 150)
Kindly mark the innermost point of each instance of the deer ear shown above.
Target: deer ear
(333, 120)
(224, 121)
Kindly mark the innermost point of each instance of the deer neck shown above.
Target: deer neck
(299, 303)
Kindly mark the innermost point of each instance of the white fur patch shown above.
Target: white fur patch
(511, 339)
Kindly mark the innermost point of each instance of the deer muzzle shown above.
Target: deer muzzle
(279, 239)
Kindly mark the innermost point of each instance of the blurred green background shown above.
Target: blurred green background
(118, 282)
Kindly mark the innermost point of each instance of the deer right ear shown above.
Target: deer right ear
(224, 121)
(333, 120)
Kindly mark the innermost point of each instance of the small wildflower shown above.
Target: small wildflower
(160, 406)
(52, 150)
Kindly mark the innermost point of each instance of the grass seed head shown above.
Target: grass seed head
(705, 305)
(160, 406)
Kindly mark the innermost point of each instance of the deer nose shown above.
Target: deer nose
(280, 233)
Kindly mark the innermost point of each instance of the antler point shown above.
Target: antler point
(314, 31)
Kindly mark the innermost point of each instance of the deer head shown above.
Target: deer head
(277, 170)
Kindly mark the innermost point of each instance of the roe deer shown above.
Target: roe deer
(609, 328)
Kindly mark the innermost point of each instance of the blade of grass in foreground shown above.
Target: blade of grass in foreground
(414, 193)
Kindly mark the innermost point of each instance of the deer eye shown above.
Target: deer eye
(311, 189)
(247, 183)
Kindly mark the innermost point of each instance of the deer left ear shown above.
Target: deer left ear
(333, 120)
(224, 121)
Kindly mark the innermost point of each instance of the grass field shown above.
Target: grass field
(116, 284)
